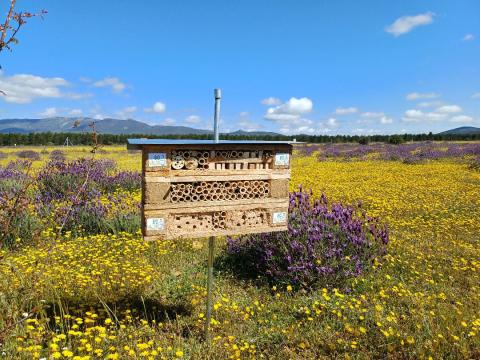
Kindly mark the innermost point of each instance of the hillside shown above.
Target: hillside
(463, 130)
(110, 126)
(106, 126)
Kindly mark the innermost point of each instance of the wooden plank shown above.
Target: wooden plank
(218, 233)
(213, 204)
(203, 222)
(210, 176)
(220, 206)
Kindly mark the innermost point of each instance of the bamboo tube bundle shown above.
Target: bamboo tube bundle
(191, 164)
(219, 190)
(202, 161)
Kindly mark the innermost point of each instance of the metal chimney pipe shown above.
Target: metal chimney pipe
(216, 119)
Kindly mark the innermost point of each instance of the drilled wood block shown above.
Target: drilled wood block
(220, 221)
(279, 188)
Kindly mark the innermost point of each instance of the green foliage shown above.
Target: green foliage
(395, 140)
(50, 138)
(364, 140)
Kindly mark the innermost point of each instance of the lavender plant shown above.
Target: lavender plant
(57, 155)
(28, 154)
(408, 153)
(325, 244)
(79, 196)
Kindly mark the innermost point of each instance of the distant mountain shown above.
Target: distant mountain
(463, 130)
(105, 126)
(253, 133)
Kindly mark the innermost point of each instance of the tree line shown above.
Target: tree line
(54, 138)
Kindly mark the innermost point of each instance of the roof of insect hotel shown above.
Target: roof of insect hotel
(137, 144)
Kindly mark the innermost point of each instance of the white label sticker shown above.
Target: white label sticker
(157, 159)
(279, 217)
(282, 159)
(156, 224)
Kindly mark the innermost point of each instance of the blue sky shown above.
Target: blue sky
(322, 67)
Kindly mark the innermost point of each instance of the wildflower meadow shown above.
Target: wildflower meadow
(381, 261)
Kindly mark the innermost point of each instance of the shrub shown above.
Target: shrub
(325, 244)
(57, 155)
(364, 140)
(28, 154)
(475, 164)
(127, 180)
(396, 140)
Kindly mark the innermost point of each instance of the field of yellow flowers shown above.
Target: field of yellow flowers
(117, 297)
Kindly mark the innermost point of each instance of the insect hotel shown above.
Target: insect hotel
(201, 188)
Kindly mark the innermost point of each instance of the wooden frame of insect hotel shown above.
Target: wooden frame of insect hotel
(201, 188)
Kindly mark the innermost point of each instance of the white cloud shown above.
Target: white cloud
(476, 95)
(372, 114)
(468, 37)
(271, 101)
(429, 104)
(23, 88)
(305, 129)
(169, 122)
(461, 119)
(77, 96)
(113, 82)
(405, 24)
(346, 111)
(332, 122)
(417, 96)
(448, 109)
(248, 125)
(364, 131)
(386, 120)
(290, 111)
(49, 112)
(130, 109)
(75, 112)
(126, 112)
(414, 115)
(193, 119)
(158, 107)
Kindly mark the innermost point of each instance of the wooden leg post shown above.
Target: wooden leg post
(211, 246)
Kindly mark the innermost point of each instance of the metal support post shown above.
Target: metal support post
(208, 320)
(211, 240)
(216, 119)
